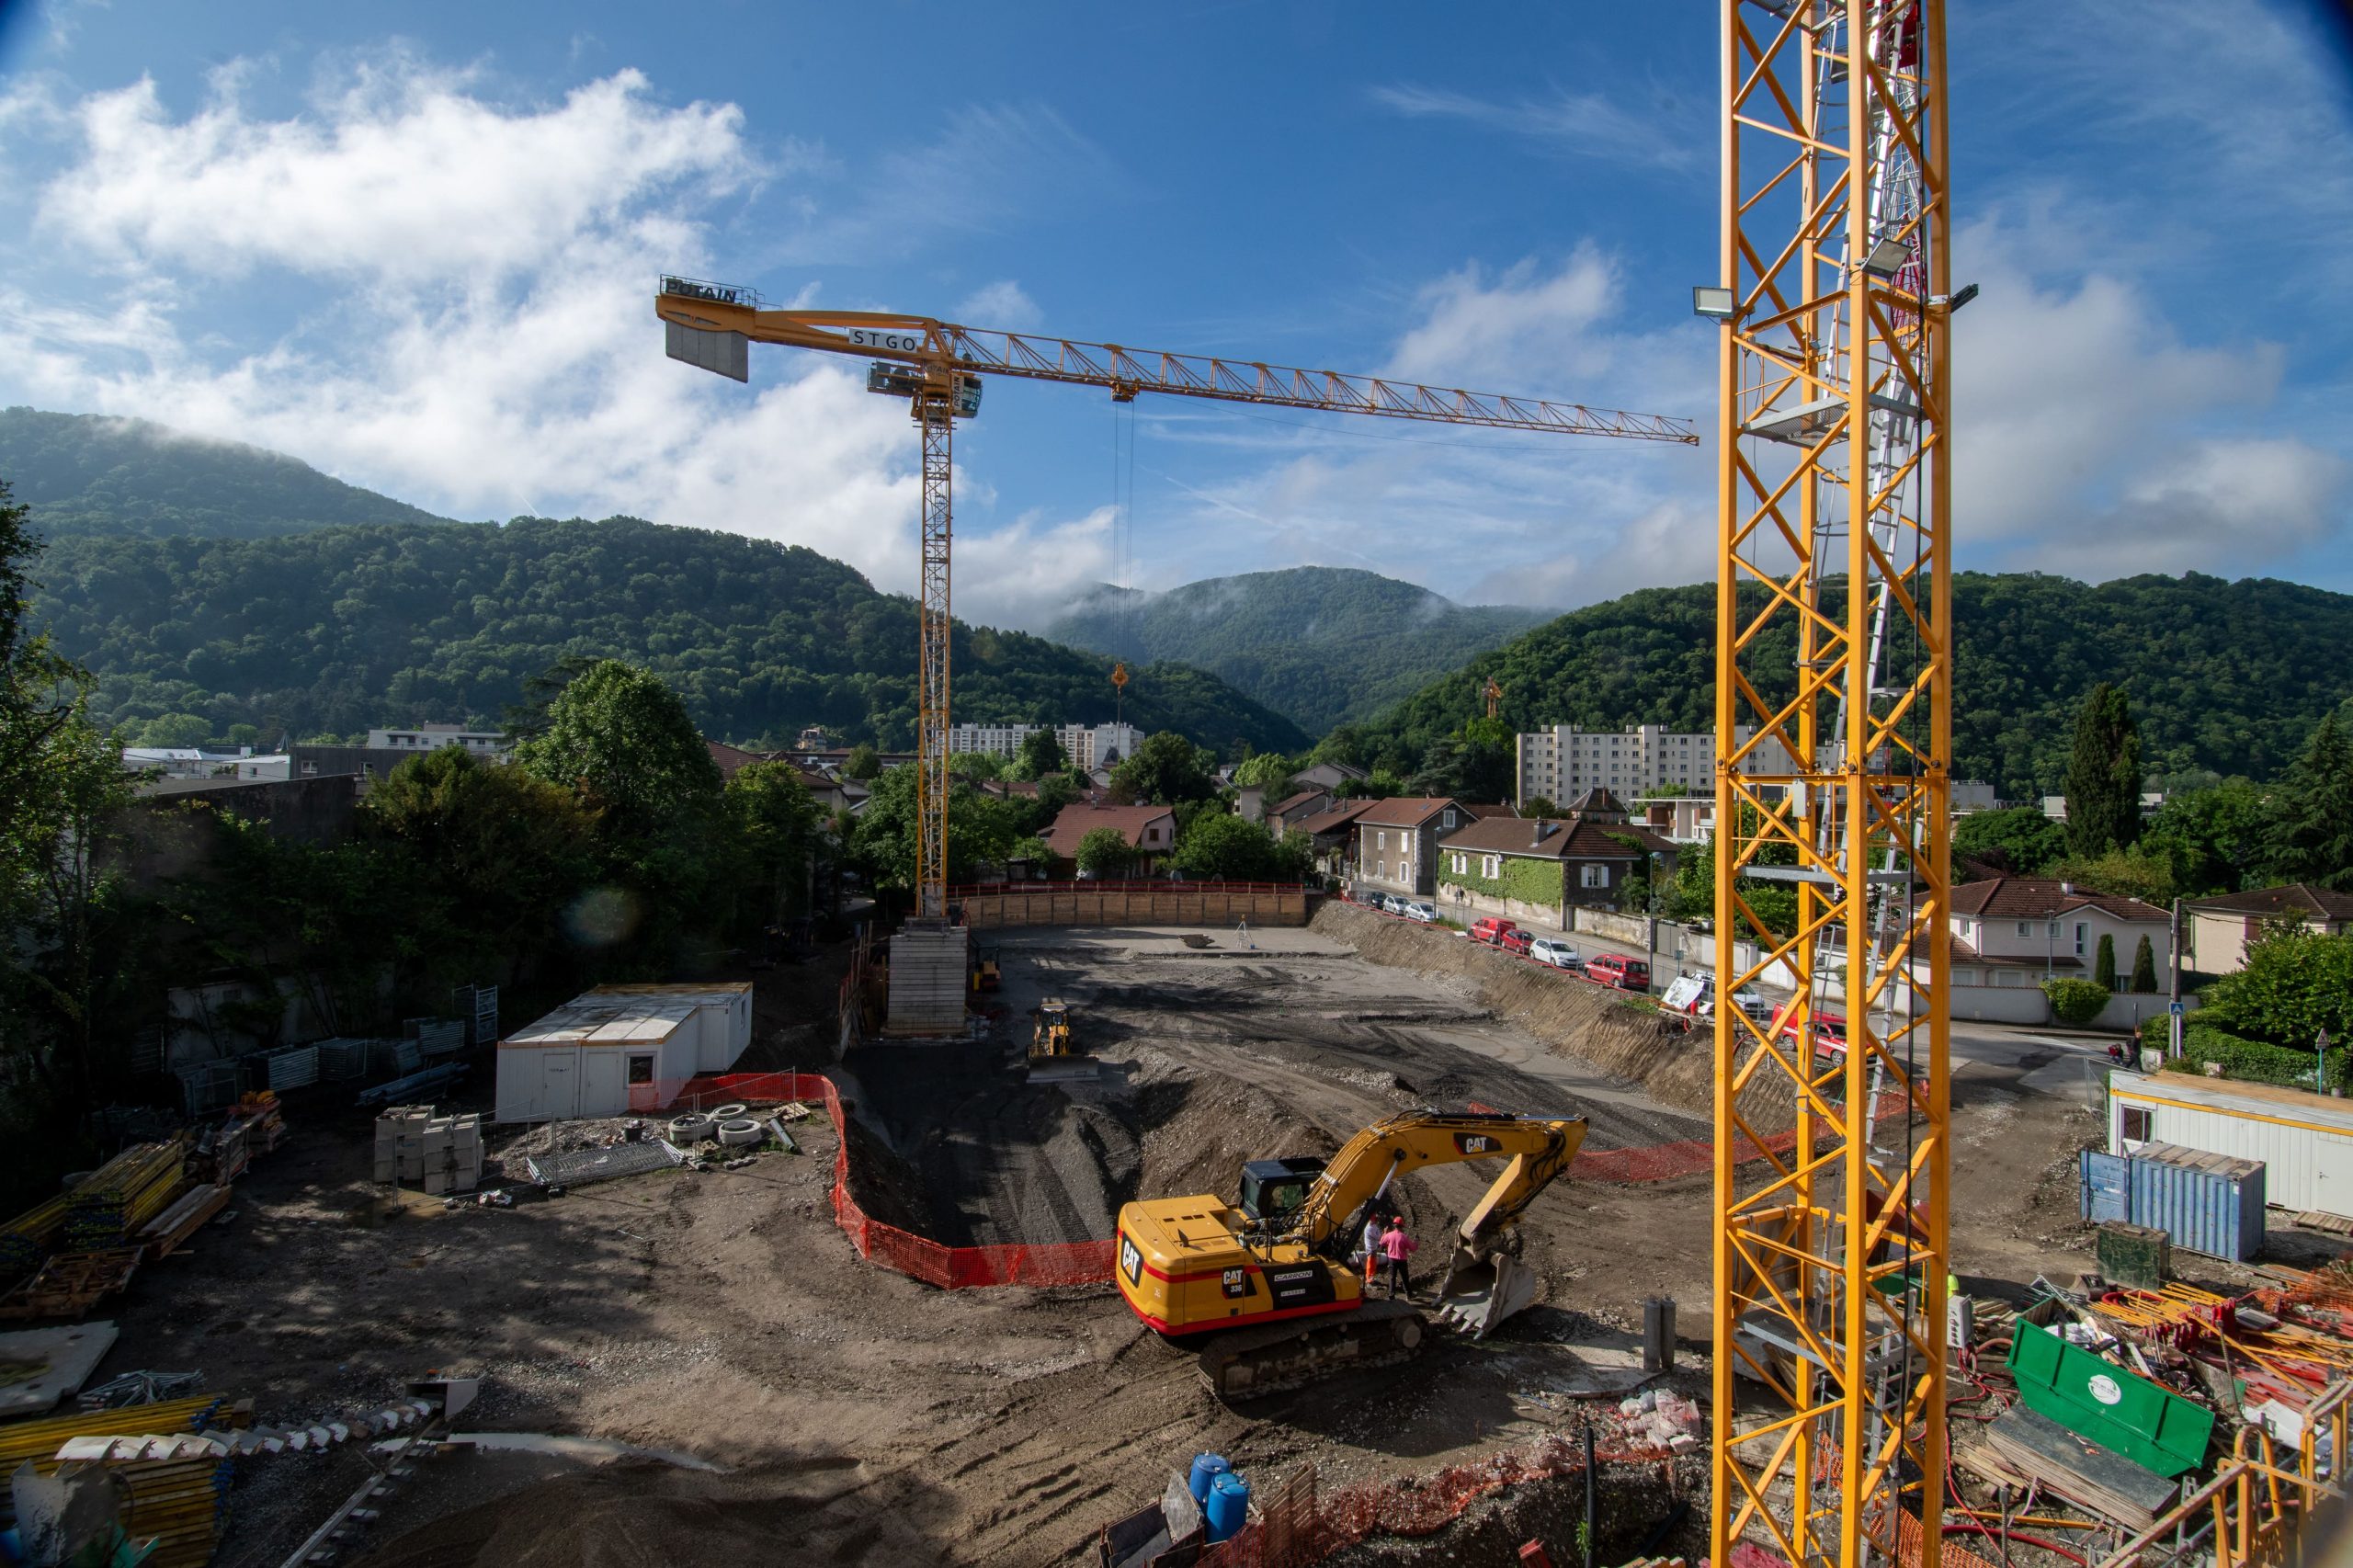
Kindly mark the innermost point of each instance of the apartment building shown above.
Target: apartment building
(1088, 746)
(1563, 761)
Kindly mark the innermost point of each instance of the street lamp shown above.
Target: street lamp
(2320, 1061)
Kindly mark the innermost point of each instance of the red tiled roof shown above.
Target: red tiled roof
(733, 759)
(1407, 811)
(1078, 819)
(1295, 802)
(1560, 840)
(2042, 898)
(1338, 817)
(2295, 901)
(1482, 811)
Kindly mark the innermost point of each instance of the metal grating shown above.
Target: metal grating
(580, 1166)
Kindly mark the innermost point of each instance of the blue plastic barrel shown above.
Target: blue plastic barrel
(1228, 1507)
(1207, 1468)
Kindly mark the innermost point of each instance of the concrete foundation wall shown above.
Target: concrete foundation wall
(1179, 903)
(1631, 928)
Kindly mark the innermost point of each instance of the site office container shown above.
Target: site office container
(620, 1050)
(2206, 1202)
(2304, 1140)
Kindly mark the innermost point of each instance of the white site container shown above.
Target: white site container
(620, 1050)
(2305, 1140)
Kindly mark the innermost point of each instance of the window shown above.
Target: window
(2054, 927)
(1380, 869)
(2140, 1124)
(1593, 876)
(2025, 929)
(314, 768)
(1493, 867)
(1449, 819)
(640, 1069)
(2079, 938)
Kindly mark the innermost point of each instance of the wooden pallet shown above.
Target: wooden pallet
(69, 1285)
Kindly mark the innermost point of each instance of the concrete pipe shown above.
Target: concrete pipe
(741, 1132)
(728, 1112)
(689, 1129)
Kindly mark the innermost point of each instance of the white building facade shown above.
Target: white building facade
(1088, 746)
(1562, 761)
(433, 738)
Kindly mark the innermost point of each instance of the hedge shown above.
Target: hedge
(2074, 1002)
(2251, 1061)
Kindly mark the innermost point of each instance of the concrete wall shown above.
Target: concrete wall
(1176, 903)
(1633, 929)
(1466, 904)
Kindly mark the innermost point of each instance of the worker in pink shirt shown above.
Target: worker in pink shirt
(1397, 1246)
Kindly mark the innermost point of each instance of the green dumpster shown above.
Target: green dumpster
(2118, 1410)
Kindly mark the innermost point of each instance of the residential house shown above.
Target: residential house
(2216, 931)
(1250, 802)
(1534, 871)
(2007, 933)
(1334, 835)
(433, 738)
(1397, 843)
(1293, 810)
(1482, 810)
(1151, 832)
(1680, 819)
(1328, 776)
(388, 748)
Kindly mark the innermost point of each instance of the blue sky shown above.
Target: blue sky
(415, 245)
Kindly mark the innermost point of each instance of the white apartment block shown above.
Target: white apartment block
(1561, 763)
(1087, 745)
(432, 737)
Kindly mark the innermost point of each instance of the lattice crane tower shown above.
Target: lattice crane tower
(1833, 613)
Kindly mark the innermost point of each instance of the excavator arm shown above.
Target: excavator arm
(1539, 1150)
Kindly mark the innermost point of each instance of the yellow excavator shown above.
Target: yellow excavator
(1266, 1286)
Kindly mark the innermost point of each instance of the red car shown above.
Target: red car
(1490, 930)
(1626, 974)
(1516, 941)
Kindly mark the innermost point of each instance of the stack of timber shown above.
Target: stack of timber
(123, 1195)
(170, 1231)
(70, 1284)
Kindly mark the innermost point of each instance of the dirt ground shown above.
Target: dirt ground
(861, 1417)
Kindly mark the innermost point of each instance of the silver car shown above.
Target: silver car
(1554, 951)
(1418, 910)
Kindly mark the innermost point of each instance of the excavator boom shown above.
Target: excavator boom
(1267, 1280)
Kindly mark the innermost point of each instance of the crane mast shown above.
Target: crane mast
(1834, 481)
(936, 366)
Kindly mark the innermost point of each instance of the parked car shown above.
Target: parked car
(1626, 974)
(1516, 941)
(1489, 930)
(1554, 951)
(1389, 903)
(1829, 1030)
(1419, 910)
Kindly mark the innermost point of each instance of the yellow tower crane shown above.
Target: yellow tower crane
(1834, 488)
(938, 366)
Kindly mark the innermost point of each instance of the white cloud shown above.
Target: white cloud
(464, 316)
(1667, 134)
(1000, 305)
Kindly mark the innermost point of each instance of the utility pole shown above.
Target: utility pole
(2173, 1001)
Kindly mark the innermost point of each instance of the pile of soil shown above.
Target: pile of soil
(1201, 1128)
(1572, 1016)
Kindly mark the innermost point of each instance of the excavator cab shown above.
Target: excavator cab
(1274, 1190)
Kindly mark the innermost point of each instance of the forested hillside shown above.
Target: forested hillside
(333, 629)
(2223, 676)
(82, 473)
(1320, 644)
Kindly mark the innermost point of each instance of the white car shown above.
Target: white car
(1553, 952)
(1418, 910)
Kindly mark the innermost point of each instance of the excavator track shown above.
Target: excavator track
(1254, 1362)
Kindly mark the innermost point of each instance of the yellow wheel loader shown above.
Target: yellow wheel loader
(1267, 1288)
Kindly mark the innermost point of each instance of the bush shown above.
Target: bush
(2144, 968)
(2250, 1060)
(2074, 1002)
(2104, 965)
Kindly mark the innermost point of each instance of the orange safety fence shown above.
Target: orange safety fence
(917, 1257)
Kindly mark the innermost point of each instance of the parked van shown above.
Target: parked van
(1490, 930)
(1554, 951)
(1626, 974)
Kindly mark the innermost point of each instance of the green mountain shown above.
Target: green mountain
(84, 473)
(1321, 644)
(337, 628)
(2223, 677)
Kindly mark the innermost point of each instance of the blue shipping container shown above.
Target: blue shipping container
(2207, 1203)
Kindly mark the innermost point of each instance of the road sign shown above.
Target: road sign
(2173, 1008)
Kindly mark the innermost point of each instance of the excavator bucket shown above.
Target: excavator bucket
(1479, 1293)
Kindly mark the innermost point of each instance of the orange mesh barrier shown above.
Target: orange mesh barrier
(917, 1257)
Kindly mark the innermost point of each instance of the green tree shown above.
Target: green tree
(2020, 840)
(982, 829)
(2216, 839)
(1268, 770)
(1538, 806)
(1692, 894)
(980, 766)
(2142, 872)
(492, 855)
(1033, 849)
(1104, 852)
(776, 823)
(1056, 790)
(2104, 962)
(1219, 844)
(182, 730)
(1167, 771)
(2294, 983)
(244, 735)
(2144, 967)
(863, 764)
(1041, 753)
(625, 742)
(2104, 776)
(2311, 812)
(2075, 1003)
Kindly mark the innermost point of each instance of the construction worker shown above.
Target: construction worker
(1397, 1246)
(1374, 1230)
